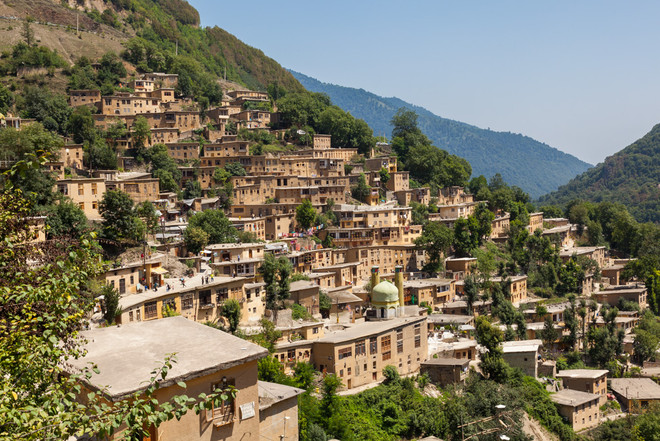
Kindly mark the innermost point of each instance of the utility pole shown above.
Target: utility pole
(77, 23)
(176, 50)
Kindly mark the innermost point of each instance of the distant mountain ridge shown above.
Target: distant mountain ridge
(631, 177)
(534, 166)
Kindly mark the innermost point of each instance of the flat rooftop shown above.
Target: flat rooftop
(509, 347)
(446, 362)
(636, 388)
(273, 393)
(570, 397)
(365, 329)
(582, 373)
(126, 355)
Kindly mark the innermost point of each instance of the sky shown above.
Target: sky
(580, 76)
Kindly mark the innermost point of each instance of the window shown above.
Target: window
(187, 301)
(170, 303)
(291, 355)
(94, 189)
(418, 329)
(348, 372)
(150, 310)
(345, 353)
(386, 343)
(81, 190)
(205, 298)
(387, 355)
(399, 341)
(223, 294)
(225, 412)
(418, 341)
(360, 348)
(316, 331)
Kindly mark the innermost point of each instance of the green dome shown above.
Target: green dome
(385, 292)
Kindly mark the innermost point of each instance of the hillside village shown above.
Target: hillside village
(256, 249)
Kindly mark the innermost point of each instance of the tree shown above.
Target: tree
(236, 169)
(471, 290)
(436, 240)
(231, 310)
(466, 236)
(119, 220)
(275, 273)
(100, 156)
(81, 125)
(361, 190)
(110, 303)
(548, 334)
(192, 190)
(305, 214)
(141, 133)
(45, 106)
(215, 224)
(325, 303)
(6, 99)
(147, 213)
(196, 239)
(27, 33)
(492, 364)
(66, 219)
(645, 345)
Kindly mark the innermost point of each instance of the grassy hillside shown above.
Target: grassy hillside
(154, 28)
(535, 167)
(631, 177)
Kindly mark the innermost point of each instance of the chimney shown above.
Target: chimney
(375, 277)
(398, 282)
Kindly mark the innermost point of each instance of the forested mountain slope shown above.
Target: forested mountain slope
(154, 31)
(631, 177)
(535, 167)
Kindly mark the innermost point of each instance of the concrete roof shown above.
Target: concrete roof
(191, 285)
(366, 329)
(299, 285)
(582, 373)
(450, 318)
(509, 347)
(446, 361)
(273, 393)
(570, 397)
(344, 297)
(636, 388)
(614, 291)
(125, 355)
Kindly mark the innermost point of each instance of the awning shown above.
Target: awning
(159, 270)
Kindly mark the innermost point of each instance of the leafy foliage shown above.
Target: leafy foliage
(628, 177)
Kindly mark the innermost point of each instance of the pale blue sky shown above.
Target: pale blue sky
(580, 76)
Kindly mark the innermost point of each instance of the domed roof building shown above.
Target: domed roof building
(385, 296)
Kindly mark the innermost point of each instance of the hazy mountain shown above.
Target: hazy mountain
(534, 166)
(631, 177)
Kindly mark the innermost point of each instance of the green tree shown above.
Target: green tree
(6, 99)
(471, 290)
(196, 239)
(466, 236)
(100, 156)
(305, 214)
(361, 190)
(548, 334)
(492, 364)
(275, 273)
(66, 219)
(215, 224)
(46, 107)
(231, 310)
(81, 125)
(193, 189)
(147, 213)
(645, 346)
(27, 33)
(236, 169)
(325, 303)
(436, 240)
(141, 133)
(119, 220)
(110, 303)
